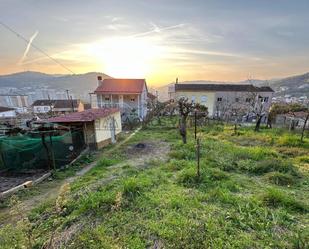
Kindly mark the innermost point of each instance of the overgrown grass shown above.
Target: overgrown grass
(251, 193)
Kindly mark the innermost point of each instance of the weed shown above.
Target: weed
(271, 165)
(276, 198)
(278, 178)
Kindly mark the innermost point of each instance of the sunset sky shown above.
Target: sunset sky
(158, 39)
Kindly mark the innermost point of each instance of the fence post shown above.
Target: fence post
(198, 157)
(52, 151)
(195, 125)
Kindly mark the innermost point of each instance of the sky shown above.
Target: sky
(159, 40)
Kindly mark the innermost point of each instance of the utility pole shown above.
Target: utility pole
(50, 106)
(68, 94)
(72, 104)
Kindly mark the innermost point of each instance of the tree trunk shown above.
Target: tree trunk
(269, 123)
(183, 129)
(304, 128)
(258, 123)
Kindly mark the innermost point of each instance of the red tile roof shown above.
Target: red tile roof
(119, 86)
(84, 116)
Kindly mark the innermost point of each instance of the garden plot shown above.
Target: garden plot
(10, 180)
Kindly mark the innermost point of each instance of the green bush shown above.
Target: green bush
(276, 198)
(278, 178)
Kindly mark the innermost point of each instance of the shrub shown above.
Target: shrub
(276, 198)
(280, 178)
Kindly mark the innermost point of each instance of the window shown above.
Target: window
(45, 108)
(237, 100)
(248, 100)
(203, 99)
(132, 99)
(219, 99)
(266, 99)
(107, 99)
(193, 99)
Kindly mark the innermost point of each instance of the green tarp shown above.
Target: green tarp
(28, 152)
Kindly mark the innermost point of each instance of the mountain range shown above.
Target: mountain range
(82, 84)
(78, 84)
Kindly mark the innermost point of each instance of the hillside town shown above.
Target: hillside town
(154, 124)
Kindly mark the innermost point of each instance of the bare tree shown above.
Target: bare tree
(304, 116)
(257, 106)
(238, 109)
(185, 108)
(155, 110)
(222, 109)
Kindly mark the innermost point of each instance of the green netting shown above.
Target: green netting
(28, 151)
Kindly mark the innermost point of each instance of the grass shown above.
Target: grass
(252, 193)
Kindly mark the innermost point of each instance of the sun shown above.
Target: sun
(125, 57)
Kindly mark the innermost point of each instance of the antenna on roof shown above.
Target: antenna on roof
(176, 80)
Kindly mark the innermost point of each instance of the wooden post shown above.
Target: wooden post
(52, 152)
(198, 157)
(47, 151)
(195, 125)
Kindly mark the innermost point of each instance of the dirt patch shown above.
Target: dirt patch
(10, 179)
(147, 150)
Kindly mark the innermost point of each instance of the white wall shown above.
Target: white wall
(103, 127)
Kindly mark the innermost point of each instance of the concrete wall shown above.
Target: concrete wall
(103, 128)
(200, 97)
(228, 98)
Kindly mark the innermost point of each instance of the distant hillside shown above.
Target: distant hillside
(294, 86)
(79, 84)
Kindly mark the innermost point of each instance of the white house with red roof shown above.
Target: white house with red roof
(126, 94)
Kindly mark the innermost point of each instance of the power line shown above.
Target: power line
(35, 47)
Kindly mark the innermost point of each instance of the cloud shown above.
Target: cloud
(28, 48)
(157, 29)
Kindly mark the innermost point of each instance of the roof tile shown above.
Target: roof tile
(84, 116)
(121, 86)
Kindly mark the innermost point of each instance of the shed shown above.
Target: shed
(100, 126)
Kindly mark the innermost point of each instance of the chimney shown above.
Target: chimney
(99, 80)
